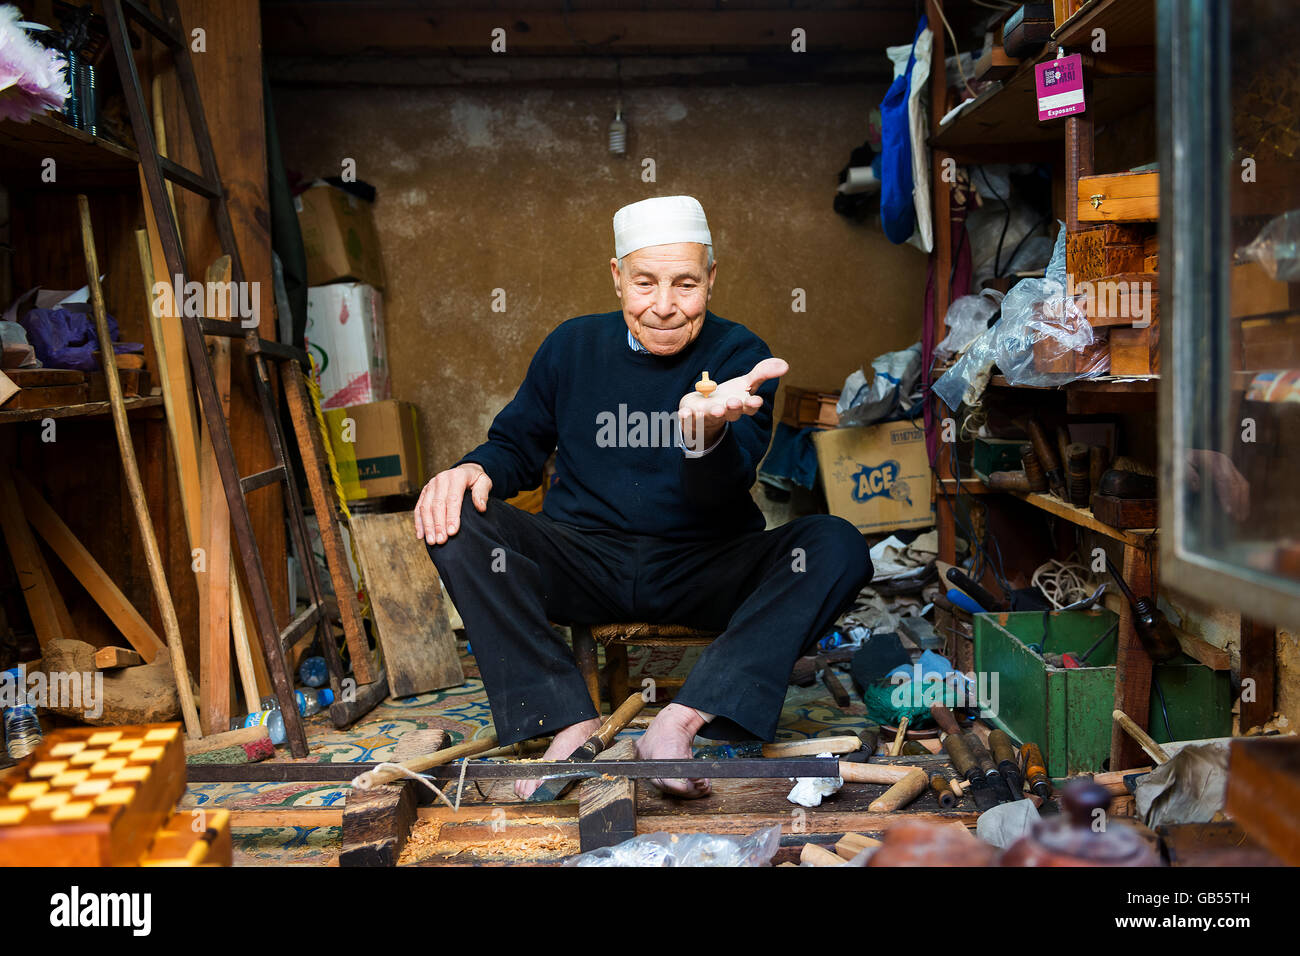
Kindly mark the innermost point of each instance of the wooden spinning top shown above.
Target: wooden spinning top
(705, 385)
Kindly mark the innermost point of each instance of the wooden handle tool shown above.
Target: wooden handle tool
(901, 793)
(554, 787)
(1144, 740)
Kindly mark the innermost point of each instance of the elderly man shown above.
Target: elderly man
(650, 516)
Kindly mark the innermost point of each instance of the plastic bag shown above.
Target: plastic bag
(695, 849)
(894, 376)
(966, 380)
(1277, 248)
(967, 317)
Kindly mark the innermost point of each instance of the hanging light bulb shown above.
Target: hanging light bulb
(618, 132)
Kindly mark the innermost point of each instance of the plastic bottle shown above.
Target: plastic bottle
(274, 721)
(313, 701)
(22, 729)
(313, 672)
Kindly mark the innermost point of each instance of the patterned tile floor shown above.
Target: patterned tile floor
(463, 712)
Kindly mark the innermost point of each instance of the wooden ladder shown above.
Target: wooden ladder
(289, 362)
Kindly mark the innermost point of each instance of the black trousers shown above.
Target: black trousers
(773, 594)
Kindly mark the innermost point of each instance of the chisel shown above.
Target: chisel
(986, 765)
(1036, 770)
(555, 787)
(1004, 754)
(959, 753)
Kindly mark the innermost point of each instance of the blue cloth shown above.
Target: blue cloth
(66, 338)
(932, 665)
(792, 456)
(610, 413)
(897, 211)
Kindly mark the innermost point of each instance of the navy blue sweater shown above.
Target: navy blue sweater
(610, 413)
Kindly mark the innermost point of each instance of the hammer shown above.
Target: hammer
(555, 787)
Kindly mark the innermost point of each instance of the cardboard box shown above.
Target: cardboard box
(377, 449)
(338, 236)
(345, 335)
(877, 477)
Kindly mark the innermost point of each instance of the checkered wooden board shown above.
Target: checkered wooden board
(91, 796)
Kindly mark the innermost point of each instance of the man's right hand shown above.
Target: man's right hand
(437, 513)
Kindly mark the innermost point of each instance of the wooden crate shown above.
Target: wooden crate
(1129, 299)
(1119, 197)
(1135, 351)
(805, 408)
(91, 796)
(1111, 249)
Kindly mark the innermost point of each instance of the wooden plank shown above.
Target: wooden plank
(88, 571)
(406, 599)
(109, 658)
(49, 396)
(1258, 664)
(214, 533)
(45, 605)
(376, 824)
(813, 821)
(227, 738)
(1132, 664)
(287, 817)
(324, 502)
(606, 812)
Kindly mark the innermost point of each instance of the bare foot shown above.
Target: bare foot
(669, 737)
(566, 742)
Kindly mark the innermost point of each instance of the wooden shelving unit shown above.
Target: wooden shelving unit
(81, 161)
(86, 410)
(1002, 126)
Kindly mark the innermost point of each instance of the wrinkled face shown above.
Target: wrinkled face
(665, 292)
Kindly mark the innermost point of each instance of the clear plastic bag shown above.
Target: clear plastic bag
(1277, 248)
(967, 317)
(966, 380)
(695, 849)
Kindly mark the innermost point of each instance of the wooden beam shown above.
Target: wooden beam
(376, 824)
(1132, 663)
(109, 658)
(88, 571)
(606, 812)
(214, 533)
(353, 27)
(1264, 791)
(49, 614)
(1258, 664)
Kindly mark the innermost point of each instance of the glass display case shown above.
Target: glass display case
(1229, 107)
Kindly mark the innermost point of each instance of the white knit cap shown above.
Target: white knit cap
(657, 222)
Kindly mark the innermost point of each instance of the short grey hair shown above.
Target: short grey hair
(708, 257)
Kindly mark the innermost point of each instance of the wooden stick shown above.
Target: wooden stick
(154, 560)
(420, 764)
(898, 737)
(851, 844)
(873, 772)
(815, 855)
(812, 747)
(1144, 740)
(1113, 780)
(87, 570)
(227, 738)
(901, 793)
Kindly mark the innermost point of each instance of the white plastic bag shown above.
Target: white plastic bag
(694, 849)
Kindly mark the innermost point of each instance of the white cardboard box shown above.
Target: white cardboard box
(345, 335)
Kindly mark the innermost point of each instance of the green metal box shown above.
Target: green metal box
(1067, 712)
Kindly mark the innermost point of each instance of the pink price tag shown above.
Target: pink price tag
(1060, 87)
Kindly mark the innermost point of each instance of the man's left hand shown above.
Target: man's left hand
(703, 419)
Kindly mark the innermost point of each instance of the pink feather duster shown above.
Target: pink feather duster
(32, 78)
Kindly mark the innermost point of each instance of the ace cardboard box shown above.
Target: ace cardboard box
(877, 477)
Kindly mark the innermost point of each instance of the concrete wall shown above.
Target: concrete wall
(514, 189)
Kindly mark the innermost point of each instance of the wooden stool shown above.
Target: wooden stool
(616, 638)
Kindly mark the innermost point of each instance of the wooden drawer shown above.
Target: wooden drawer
(1119, 197)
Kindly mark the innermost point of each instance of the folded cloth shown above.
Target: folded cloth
(792, 457)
